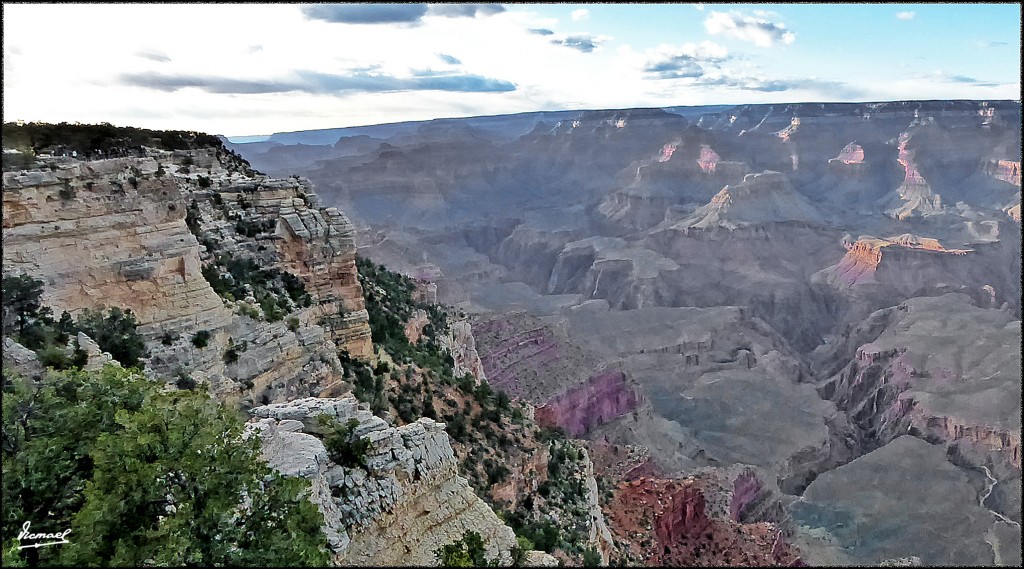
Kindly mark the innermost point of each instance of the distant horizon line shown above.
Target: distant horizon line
(235, 139)
(254, 138)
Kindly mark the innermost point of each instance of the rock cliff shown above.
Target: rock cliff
(602, 398)
(917, 375)
(408, 499)
(915, 196)
(126, 232)
(674, 513)
(97, 238)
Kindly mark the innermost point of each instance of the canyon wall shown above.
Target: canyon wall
(123, 232)
(406, 501)
(600, 399)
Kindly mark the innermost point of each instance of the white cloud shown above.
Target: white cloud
(905, 15)
(759, 28)
(580, 14)
(699, 7)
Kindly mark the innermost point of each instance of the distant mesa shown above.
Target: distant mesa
(852, 153)
(767, 197)
(865, 254)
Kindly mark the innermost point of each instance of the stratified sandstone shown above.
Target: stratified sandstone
(98, 240)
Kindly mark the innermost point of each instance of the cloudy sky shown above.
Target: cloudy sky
(258, 69)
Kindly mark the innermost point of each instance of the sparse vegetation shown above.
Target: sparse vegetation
(343, 447)
(277, 292)
(466, 552)
(32, 325)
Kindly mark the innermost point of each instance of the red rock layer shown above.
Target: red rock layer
(665, 522)
(708, 160)
(853, 153)
(602, 398)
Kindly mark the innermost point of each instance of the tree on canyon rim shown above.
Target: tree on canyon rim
(144, 477)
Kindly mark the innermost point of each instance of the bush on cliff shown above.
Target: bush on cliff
(343, 447)
(144, 477)
(466, 552)
(115, 332)
(32, 325)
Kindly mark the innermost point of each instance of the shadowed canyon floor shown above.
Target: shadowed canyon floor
(828, 294)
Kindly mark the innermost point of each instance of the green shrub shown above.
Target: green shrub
(466, 552)
(201, 338)
(233, 350)
(168, 338)
(184, 381)
(343, 447)
(115, 332)
(293, 323)
(103, 453)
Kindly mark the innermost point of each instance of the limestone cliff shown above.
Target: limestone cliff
(126, 232)
(108, 232)
(461, 344)
(408, 499)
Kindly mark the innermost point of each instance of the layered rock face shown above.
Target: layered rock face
(920, 373)
(707, 372)
(114, 233)
(915, 193)
(760, 198)
(526, 358)
(96, 239)
(591, 226)
(318, 246)
(406, 502)
(1006, 170)
(461, 344)
(602, 398)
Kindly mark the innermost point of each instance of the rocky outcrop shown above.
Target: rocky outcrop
(602, 398)
(1006, 170)
(919, 374)
(123, 232)
(318, 246)
(524, 478)
(852, 153)
(526, 358)
(461, 344)
(761, 198)
(865, 254)
(674, 513)
(20, 358)
(397, 509)
(97, 238)
(708, 160)
(915, 196)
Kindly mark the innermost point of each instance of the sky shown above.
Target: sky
(257, 69)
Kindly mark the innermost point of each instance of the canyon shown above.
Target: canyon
(744, 335)
(791, 289)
